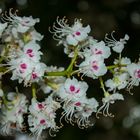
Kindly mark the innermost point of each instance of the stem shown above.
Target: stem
(102, 84)
(52, 85)
(68, 71)
(70, 67)
(103, 87)
(57, 73)
(33, 91)
(115, 66)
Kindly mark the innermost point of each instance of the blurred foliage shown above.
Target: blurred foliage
(104, 16)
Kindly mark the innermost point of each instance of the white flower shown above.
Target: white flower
(117, 46)
(21, 69)
(24, 69)
(78, 33)
(24, 23)
(51, 106)
(72, 89)
(84, 110)
(37, 124)
(107, 100)
(79, 111)
(123, 62)
(118, 82)
(12, 115)
(112, 98)
(93, 67)
(98, 49)
(134, 71)
(42, 116)
(31, 50)
(72, 35)
(36, 106)
(38, 72)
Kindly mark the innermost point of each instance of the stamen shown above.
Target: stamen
(99, 110)
(51, 130)
(113, 36)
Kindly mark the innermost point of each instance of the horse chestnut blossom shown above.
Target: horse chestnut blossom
(70, 37)
(124, 62)
(73, 35)
(118, 82)
(80, 110)
(64, 89)
(93, 67)
(97, 49)
(26, 70)
(72, 89)
(134, 72)
(31, 50)
(12, 114)
(42, 116)
(107, 100)
(117, 46)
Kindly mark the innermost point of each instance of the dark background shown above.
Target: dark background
(103, 16)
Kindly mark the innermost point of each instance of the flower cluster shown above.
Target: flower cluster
(42, 116)
(64, 88)
(12, 116)
(21, 48)
(77, 107)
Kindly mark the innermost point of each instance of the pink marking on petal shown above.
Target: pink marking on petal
(42, 121)
(137, 73)
(99, 52)
(34, 75)
(78, 33)
(96, 51)
(78, 91)
(29, 51)
(72, 88)
(94, 65)
(23, 66)
(30, 55)
(24, 23)
(40, 106)
(78, 104)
